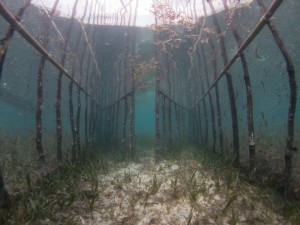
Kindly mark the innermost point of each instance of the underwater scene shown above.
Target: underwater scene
(140, 112)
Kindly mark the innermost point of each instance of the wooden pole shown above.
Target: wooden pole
(234, 117)
(251, 139)
(291, 73)
(39, 107)
(212, 112)
(9, 34)
(219, 115)
(59, 85)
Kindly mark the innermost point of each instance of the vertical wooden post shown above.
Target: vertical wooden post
(251, 139)
(73, 129)
(213, 124)
(289, 148)
(77, 125)
(164, 129)
(39, 111)
(235, 128)
(59, 84)
(132, 111)
(219, 115)
(157, 96)
(169, 102)
(200, 124)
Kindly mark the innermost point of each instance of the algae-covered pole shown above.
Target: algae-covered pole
(193, 118)
(125, 77)
(125, 116)
(107, 124)
(164, 130)
(132, 117)
(131, 127)
(219, 115)
(87, 142)
(200, 124)
(97, 123)
(251, 139)
(119, 72)
(86, 117)
(112, 136)
(71, 113)
(116, 93)
(105, 113)
(157, 88)
(97, 45)
(71, 109)
(75, 125)
(109, 97)
(170, 123)
(205, 137)
(213, 124)
(113, 111)
(177, 116)
(124, 123)
(9, 34)
(78, 142)
(170, 102)
(234, 118)
(39, 135)
(86, 113)
(206, 122)
(91, 123)
(194, 125)
(59, 84)
(180, 125)
(289, 148)
(199, 134)
(178, 109)
(132, 107)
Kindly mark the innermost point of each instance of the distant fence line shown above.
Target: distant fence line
(205, 121)
(84, 72)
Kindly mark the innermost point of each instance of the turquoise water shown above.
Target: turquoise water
(145, 117)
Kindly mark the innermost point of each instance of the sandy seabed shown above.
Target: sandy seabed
(174, 192)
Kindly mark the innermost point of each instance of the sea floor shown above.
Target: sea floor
(182, 191)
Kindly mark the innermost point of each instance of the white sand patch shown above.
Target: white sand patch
(176, 193)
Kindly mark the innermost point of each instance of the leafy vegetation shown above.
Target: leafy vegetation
(56, 196)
